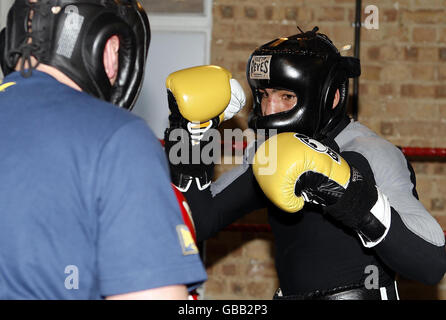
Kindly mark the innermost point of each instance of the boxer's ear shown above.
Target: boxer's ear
(336, 99)
(111, 58)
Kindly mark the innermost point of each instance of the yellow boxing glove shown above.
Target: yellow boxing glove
(292, 168)
(200, 98)
(205, 92)
(204, 96)
(201, 93)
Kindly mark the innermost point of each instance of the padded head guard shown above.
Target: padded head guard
(70, 35)
(309, 65)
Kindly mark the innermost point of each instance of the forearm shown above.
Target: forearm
(406, 248)
(410, 255)
(174, 292)
(413, 242)
(212, 212)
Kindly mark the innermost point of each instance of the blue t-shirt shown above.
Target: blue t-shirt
(86, 205)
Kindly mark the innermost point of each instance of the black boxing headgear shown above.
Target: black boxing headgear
(309, 65)
(71, 35)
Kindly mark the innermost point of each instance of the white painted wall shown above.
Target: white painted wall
(169, 51)
(4, 8)
(178, 42)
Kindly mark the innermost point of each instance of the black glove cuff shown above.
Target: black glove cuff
(190, 166)
(353, 207)
(184, 181)
(371, 228)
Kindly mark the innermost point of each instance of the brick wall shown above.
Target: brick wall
(402, 98)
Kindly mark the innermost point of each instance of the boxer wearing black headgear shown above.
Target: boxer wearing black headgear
(309, 65)
(340, 218)
(70, 35)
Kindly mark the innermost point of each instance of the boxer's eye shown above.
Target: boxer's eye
(289, 97)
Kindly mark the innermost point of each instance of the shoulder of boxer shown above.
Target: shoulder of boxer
(395, 177)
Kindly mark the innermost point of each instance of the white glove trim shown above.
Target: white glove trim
(381, 210)
(237, 102)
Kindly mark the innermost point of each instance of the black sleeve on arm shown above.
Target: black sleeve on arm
(403, 250)
(411, 256)
(213, 212)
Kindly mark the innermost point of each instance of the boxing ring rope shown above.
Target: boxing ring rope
(411, 153)
(425, 153)
(260, 228)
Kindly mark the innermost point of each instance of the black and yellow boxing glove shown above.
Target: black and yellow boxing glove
(200, 98)
(293, 169)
